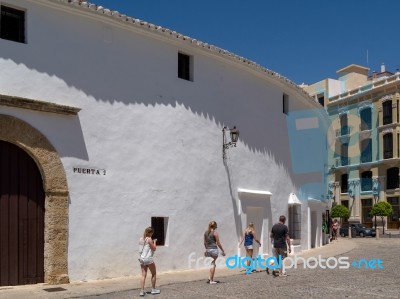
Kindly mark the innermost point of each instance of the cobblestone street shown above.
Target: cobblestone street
(301, 283)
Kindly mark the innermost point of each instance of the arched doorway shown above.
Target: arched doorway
(54, 184)
(21, 218)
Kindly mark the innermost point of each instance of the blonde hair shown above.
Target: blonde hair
(211, 226)
(147, 231)
(250, 228)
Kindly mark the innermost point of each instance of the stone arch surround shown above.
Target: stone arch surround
(55, 186)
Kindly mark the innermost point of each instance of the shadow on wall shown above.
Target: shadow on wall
(256, 130)
(67, 130)
(236, 215)
(74, 142)
(109, 63)
(116, 66)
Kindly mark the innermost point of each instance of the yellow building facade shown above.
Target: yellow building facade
(363, 141)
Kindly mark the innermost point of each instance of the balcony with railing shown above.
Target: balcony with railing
(366, 157)
(342, 161)
(389, 81)
(364, 126)
(387, 119)
(344, 131)
(387, 154)
(366, 184)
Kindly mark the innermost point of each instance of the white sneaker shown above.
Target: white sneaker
(142, 293)
(213, 282)
(155, 291)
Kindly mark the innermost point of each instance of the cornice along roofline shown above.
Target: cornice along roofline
(155, 29)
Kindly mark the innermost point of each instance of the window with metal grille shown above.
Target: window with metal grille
(387, 112)
(366, 150)
(366, 181)
(388, 146)
(344, 153)
(366, 119)
(12, 25)
(394, 219)
(185, 68)
(343, 183)
(392, 178)
(160, 225)
(344, 128)
(295, 221)
(366, 207)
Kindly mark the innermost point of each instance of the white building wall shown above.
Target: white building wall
(334, 87)
(157, 137)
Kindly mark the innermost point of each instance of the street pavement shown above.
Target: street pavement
(354, 282)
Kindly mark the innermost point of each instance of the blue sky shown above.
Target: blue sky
(306, 41)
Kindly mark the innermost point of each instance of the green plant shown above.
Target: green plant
(382, 209)
(340, 211)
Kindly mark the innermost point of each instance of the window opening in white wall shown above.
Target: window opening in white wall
(185, 67)
(295, 221)
(160, 225)
(12, 25)
(285, 102)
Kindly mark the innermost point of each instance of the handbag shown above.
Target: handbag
(145, 260)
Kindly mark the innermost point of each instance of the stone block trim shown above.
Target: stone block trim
(24, 103)
(55, 186)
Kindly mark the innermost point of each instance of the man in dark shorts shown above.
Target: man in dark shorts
(280, 236)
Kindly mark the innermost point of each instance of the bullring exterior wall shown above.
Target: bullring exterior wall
(146, 143)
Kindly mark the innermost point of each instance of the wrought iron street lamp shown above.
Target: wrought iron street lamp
(234, 134)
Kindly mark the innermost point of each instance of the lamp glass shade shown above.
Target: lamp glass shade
(234, 135)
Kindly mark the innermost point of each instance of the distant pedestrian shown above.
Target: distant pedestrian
(281, 241)
(335, 228)
(211, 243)
(147, 246)
(248, 238)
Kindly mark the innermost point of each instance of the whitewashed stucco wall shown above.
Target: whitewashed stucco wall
(157, 136)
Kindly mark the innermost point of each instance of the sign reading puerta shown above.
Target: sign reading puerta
(89, 170)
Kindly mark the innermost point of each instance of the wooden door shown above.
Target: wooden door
(21, 218)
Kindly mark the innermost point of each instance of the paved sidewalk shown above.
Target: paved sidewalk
(108, 286)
